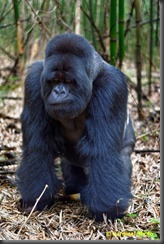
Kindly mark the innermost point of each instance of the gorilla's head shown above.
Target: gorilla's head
(71, 64)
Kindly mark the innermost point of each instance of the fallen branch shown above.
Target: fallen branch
(37, 200)
(11, 181)
(7, 162)
(11, 98)
(6, 148)
(4, 116)
(147, 150)
(6, 172)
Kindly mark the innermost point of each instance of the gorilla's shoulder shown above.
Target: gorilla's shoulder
(111, 78)
(34, 70)
(115, 73)
(32, 80)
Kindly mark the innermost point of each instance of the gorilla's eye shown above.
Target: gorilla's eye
(69, 81)
(48, 81)
(56, 80)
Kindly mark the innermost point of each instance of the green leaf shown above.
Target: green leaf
(155, 221)
(132, 215)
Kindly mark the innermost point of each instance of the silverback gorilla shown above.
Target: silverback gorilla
(75, 108)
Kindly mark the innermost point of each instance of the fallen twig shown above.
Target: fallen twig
(6, 148)
(147, 133)
(11, 98)
(4, 116)
(37, 200)
(7, 162)
(147, 150)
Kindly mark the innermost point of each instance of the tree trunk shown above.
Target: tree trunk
(77, 17)
(138, 55)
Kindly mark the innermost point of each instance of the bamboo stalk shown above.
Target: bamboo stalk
(100, 15)
(150, 48)
(129, 18)
(84, 7)
(157, 26)
(113, 31)
(100, 39)
(18, 37)
(121, 32)
(92, 14)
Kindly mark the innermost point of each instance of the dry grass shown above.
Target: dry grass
(69, 220)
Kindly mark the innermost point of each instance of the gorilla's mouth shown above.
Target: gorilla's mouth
(63, 110)
(60, 103)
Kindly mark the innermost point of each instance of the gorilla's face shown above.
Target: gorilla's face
(65, 86)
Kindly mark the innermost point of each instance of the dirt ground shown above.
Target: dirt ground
(69, 220)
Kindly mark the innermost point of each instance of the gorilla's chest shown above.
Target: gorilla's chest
(72, 129)
(69, 134)
(69, 148)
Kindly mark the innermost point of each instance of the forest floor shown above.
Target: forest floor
(69, 220)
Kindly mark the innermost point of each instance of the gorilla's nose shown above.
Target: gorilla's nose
(60, 90)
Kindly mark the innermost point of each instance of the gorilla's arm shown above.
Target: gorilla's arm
(37, 166)
(109, 185)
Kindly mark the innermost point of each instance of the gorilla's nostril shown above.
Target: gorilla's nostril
(59, 90)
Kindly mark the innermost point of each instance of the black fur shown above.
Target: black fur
(86, 125)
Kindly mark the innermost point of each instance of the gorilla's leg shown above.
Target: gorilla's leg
(74, 177)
